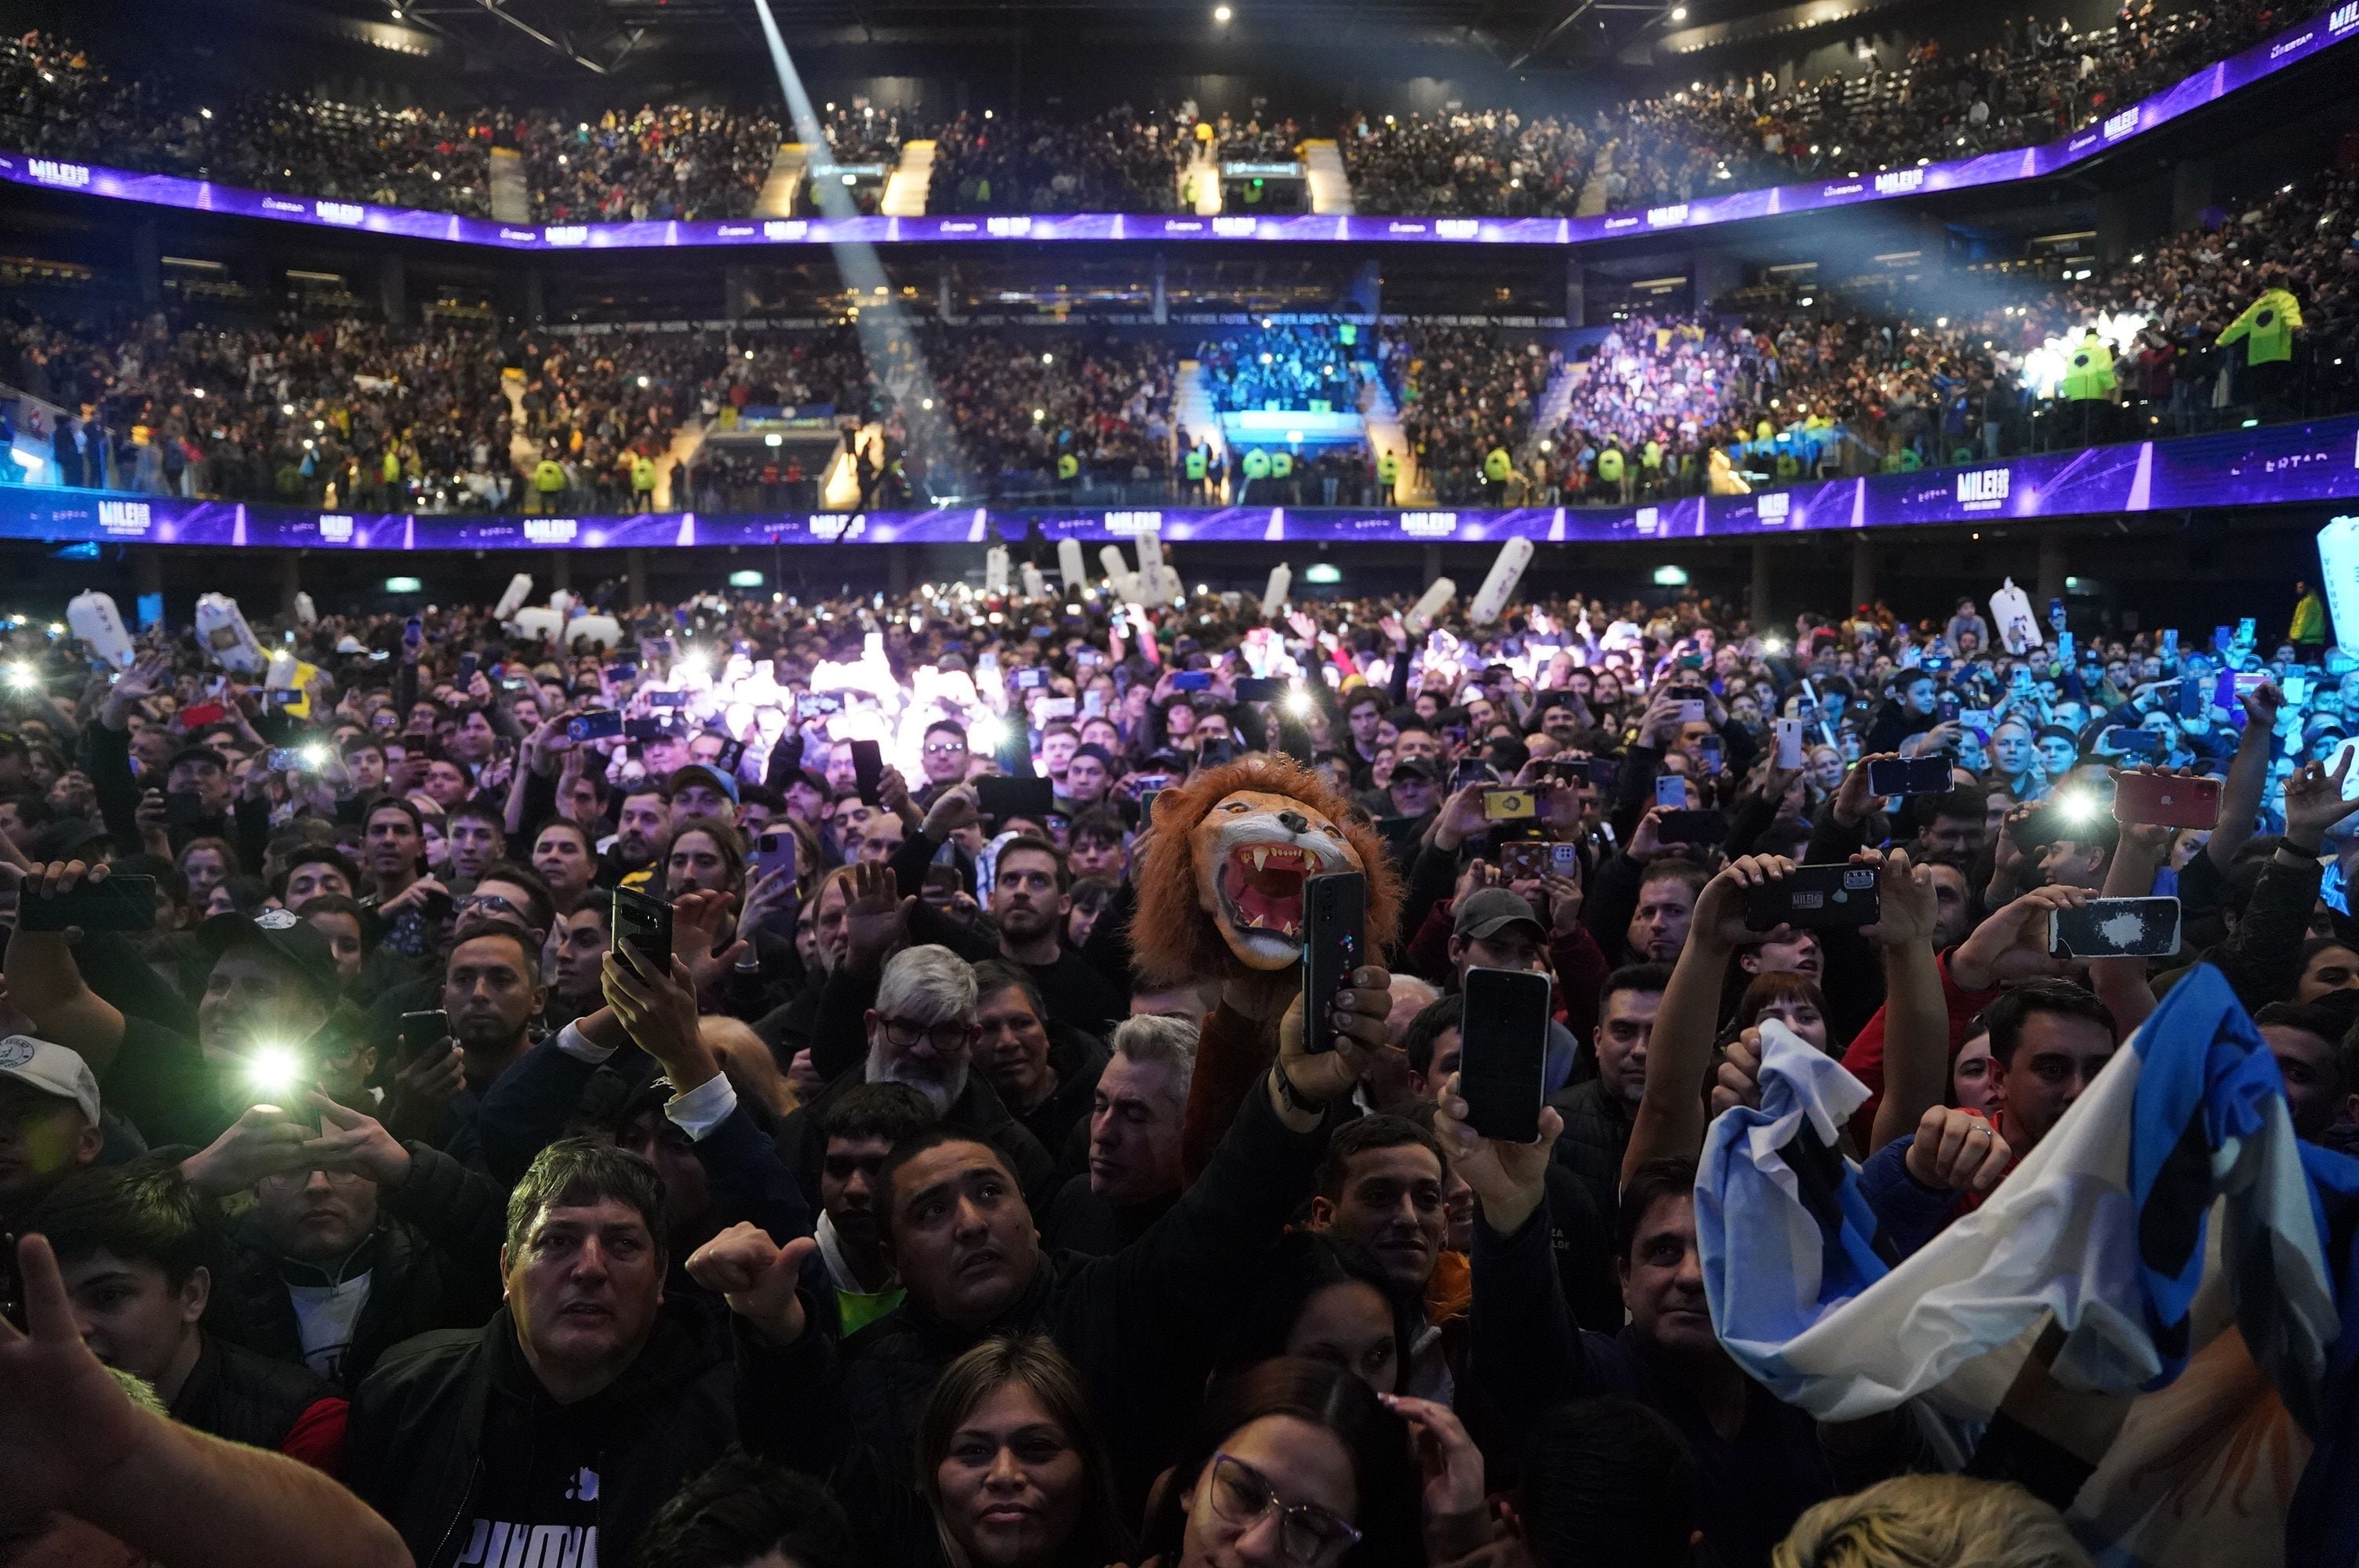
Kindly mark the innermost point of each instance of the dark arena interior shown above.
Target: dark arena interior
(1190, 783)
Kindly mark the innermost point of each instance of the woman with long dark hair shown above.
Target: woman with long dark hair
(1320, 1297)
(1010, 1464)
(1301, 1455)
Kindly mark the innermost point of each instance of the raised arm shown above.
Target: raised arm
(1916, 1014)
(46, 984)
(73, 1441)
(1670, 1117)
(2248, 776)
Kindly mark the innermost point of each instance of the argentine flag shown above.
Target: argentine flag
(2172, 1221)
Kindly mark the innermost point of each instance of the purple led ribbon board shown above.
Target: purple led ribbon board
(2206, 86)
(2264, 466)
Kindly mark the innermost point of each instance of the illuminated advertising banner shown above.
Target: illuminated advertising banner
(2205, 87)
(2278, 465)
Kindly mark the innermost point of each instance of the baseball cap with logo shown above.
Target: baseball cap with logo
(50, 1070)
(282, 933)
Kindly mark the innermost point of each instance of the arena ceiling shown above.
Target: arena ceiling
(604, 36)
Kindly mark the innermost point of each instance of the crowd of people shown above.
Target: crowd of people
(457, 416)
(1118, 161)
(707, 1088)
(1296, 367)
(2037, 82)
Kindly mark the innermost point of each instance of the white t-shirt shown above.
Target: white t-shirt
(325, 1316)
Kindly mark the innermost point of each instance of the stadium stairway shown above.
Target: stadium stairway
(1203, 176)
(523, 450)
(1193, 410)
(777, 197)
(1382, 417)
(511, 198)
(1548, 413)
(1593, 189)
(839, 486)
(1331, 187)
(912, 179)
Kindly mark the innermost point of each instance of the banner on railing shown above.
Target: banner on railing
(2267, 466)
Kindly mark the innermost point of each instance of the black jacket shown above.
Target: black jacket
(437, 1412)
(433, 1263)
(1596, 1135)
(1141, 1324)
(237, 1394)
(1077, 1057)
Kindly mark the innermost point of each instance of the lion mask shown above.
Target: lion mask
(1220, 891)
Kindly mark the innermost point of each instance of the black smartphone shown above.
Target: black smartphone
(666, 700)
(622, 674)
(1567, 770)
(1191, 680)
(124, 903)
(1259, 689)
(2115, 928)
(1471, 771)
(1909, 775)
(644, 924)
(599, 724)
(1816, 898)
(732, 753)
(1604, 771)
(184, 809)
(1216, 750)
(2132, 743)
(420, 1033)
(1334, 936)
(1691, 826)
(867, 769)
(1502, 1052)
(468, 665)
(1000, 799)
(649, 729)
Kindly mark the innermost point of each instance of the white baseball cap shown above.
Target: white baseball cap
(50, 1069)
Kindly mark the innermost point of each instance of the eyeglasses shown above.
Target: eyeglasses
(490, 903)
(1307, 1533)
(944, 1037)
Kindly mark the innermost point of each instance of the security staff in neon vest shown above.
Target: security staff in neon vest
(2088, 383)
(547, 483)
(1497, 466)
(2266, 327)
(1256, 467)
(1069, 468)
(1610, 474)
(1388, 469)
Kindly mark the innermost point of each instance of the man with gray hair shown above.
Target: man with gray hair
(921, 1032)
(1133, 1173)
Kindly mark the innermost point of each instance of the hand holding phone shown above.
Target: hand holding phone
(643, 923)
(1502, 1052)
(1334, 937)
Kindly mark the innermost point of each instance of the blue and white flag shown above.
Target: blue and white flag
(2171, 1203)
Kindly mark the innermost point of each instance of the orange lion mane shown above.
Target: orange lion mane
(1173, 940)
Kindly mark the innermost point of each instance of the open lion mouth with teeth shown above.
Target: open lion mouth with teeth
(1262, 885)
